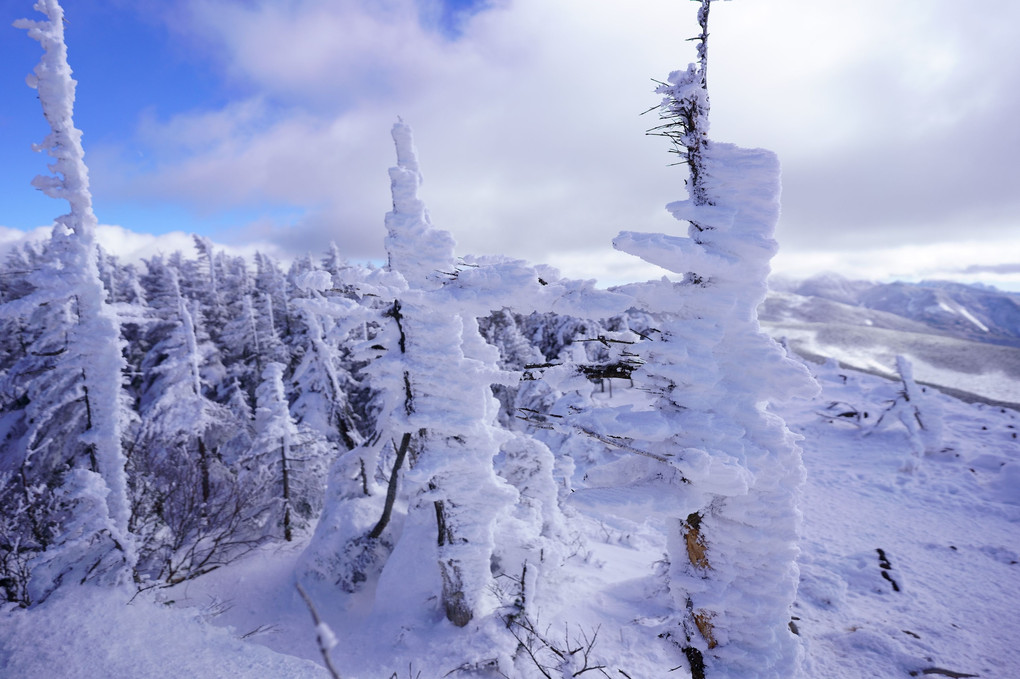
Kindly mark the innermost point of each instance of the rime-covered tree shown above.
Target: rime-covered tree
(73, 439)
(433, 375)
(207, 286)
(918, 412)
(440, 408)
(734, 468)
(242, 341)
(286, 465)
(271, 284)
(321, 379)
(187, 506)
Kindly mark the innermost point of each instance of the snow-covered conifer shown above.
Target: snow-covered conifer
(86, 352)
(435, 406)
(286, 466)
(433, 376)
(271, 284)
(734, 467)
(242, 345)
(175, 407)
(456, 495)
(321, 379)
(208, 285)
(188, 508)
(239, 440)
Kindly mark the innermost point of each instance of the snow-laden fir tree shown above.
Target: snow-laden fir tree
(450, 370)
(272, 286)
(432, 375)
(208, 283)
(242, 341)
(321, 379)
(73, 441)
(734, 468)
(285, 468)
(350, 541)
(443, 411)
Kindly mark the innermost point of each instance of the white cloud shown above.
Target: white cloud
(131, 247)
(320, 50)
(12, 238)
(973, 261)
(894, 121)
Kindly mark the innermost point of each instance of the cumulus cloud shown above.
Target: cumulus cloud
(12, 238)
(893, 121)
(132, 247)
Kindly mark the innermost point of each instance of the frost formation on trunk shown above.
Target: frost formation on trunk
(735, 468)
(87, 362)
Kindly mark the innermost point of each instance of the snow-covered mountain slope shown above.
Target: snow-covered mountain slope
(978, 313)
(981, 314)
(901, 574)
(959, 338)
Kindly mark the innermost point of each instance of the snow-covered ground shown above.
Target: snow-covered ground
(902, 574)
(947, 535)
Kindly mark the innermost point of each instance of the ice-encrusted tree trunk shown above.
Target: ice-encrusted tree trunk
(285, 467)
(918, 412)
(447, 409)
(321, 381)
(433, 375)
(92, 346)
(736, 468)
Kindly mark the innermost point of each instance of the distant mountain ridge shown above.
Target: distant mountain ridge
(961, 338)
(973, 312)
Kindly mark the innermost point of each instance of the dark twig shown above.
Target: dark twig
(320, 627)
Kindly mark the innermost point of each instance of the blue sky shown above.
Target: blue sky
(136, 61)
(265, 123)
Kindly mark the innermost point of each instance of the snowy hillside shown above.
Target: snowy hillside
(960, 338)
(902, 574)
(974, 312)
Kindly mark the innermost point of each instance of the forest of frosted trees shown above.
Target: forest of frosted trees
(418, 423)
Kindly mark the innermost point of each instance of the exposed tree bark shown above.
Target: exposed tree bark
(391, 488)
(285, 473)
(203, 466)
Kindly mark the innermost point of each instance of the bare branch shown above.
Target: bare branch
(319, 625)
